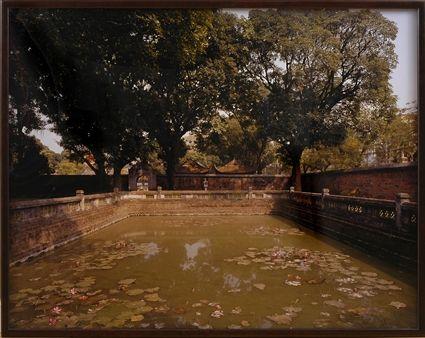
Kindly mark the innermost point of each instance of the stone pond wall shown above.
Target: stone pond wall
(37, 226)
(385, 228)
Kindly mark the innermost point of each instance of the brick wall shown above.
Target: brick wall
(382, 182)
(226, 182)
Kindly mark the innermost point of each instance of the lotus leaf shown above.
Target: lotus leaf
(135, 292)
(398, 305)
(280, 319)
(137, 318)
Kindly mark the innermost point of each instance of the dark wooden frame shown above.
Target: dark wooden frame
(419, 5)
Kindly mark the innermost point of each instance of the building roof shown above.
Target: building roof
(191, 167)
(234, 167)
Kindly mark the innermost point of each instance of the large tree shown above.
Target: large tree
(90, 56)
(184, 83)
(314, 71)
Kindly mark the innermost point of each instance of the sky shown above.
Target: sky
(404, 78)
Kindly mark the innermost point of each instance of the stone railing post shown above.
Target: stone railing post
(249, 193)
(80, 193)
(159, 190)
(325, 192)
(399, 200)
(291, 192)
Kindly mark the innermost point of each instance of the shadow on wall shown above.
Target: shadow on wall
(382, 228)
(51, 186)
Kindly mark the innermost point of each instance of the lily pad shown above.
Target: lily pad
(127, 281)
(280, 319)
(137, 318)
(336, 303)
(151, 290)
(217, 314)
(159, 325)
(197, 304)
(153, 297)
(260, 286)
(292, 308)
(237, 310)
(146, 309)
(135, 292)
(369, 274)
(398, 305)
(293, 282)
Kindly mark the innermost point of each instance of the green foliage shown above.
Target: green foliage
(27, 161)
(398, 142)
(53, 158)
(66, 167)
(348, 154)
(229, 138)
(374, 141)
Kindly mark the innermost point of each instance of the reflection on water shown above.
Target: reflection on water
(191, 253)
(209, 272)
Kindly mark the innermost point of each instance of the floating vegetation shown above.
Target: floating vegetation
(237, 310)
(217, 314)
(126, 283)
(264, 230)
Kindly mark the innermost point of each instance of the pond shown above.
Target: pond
(204, 272)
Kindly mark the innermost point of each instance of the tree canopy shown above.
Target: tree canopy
(314, 71)
(130, 85)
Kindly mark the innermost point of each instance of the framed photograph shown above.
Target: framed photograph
(222, 168)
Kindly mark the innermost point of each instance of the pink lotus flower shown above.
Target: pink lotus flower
(52, 321)
(56, 310)
(73, 291)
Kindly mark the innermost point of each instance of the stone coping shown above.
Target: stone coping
(389, 167)
(14, 205)
(183, 194)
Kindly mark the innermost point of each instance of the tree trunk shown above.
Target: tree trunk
(117, 177)
(170, 176)
(296, 173)
(103, 185)
(171, 168)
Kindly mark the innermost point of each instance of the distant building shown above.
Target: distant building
(194, 167)
(234, 167)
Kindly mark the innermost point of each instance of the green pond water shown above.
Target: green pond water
(206, 272)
